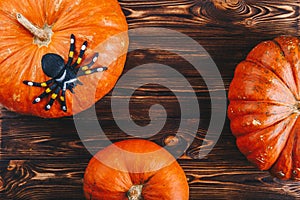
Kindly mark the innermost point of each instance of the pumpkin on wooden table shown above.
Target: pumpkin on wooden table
(264, 106)
(31, 29)
(134, 169)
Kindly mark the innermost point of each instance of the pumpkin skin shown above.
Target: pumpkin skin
(114, 170)
(93, 21)
(264, 106)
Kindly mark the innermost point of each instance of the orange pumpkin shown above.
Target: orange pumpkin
(135, 169)
(264, 106)
(33, 28)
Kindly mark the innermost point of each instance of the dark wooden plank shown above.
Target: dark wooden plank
(55, 172)
(40, 179)
(57, 179)
(46, 159)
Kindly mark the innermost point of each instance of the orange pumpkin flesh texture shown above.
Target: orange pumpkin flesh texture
(264, 106)
(94, 21)
(113, 171)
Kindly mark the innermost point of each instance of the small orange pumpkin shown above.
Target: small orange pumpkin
(265, 106)
(135, 169)
(33, 28)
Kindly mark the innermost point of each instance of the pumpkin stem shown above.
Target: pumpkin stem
(42, 37)
(298, 105)
(135, 192)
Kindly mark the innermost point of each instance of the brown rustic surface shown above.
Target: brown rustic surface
(45, 159)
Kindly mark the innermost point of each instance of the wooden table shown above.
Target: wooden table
(46, 159)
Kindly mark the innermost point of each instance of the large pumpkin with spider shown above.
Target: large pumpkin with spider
(264, 106)
(44, 43)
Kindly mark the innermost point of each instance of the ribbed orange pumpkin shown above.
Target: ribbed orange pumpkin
(94, 21)
(135, 169)
(264, 106)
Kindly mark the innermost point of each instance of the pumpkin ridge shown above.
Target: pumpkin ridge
(31, 59)
(261, 164)
(289, 142)
(296, 165)
(74, 29)
(9, 56)
(69, 19)
(273, 124)
(264, 109)
(34, 56)
(67, 13)
(269, 54)
(294, 146)
(291, 64)
(17, 67)
(144, 182)
(285, 118)
(258, 63)
(242, 78)
(275, 103)
(60, 47)
(255, 124)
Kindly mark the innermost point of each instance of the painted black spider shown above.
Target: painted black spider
(64, 76)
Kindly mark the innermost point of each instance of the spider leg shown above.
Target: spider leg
(52, 99)
(85, 70)
(37, 84)
(63, 101)
(72, 50)
(63, 93)
(80, 56)
(79, 82)
(44, 94)
(86, 67)
(66, 84)
(91, 71)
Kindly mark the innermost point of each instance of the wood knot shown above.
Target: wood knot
(248, 22)
(226, 4)
(15, 164)
(171, 140)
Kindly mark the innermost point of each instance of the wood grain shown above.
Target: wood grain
(46, 159)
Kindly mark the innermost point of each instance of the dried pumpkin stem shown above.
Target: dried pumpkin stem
(37, 32)
(135, 192)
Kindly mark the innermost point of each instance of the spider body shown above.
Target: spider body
(53, 65)
(64, 76)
